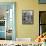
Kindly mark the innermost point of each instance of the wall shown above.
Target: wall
(28, 31)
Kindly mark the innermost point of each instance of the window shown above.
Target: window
(42, 1)
(42, 22)
(7, 21)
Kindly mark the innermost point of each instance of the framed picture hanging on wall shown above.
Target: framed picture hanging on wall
(27, 17)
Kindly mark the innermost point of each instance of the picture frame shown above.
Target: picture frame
(42, 1)
(27, 16)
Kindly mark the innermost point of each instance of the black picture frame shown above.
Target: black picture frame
(27, 16)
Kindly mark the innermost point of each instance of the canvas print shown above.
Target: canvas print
(27, 17)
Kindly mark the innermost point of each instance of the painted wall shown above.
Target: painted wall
(28, 31)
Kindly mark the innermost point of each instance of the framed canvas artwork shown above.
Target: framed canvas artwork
(27, 17)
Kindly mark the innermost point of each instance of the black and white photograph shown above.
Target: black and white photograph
(27, 17)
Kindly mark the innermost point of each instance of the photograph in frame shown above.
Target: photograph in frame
(27, 17)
